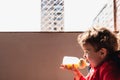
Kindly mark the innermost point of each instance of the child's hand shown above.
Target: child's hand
(68, 67)
(73, 68)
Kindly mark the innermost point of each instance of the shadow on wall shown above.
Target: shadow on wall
(36, 56)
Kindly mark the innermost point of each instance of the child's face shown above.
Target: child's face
(93, 57)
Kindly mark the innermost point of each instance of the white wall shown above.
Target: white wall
(20, 15)
(79, 14)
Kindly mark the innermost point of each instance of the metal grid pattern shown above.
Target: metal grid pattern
(52, 13)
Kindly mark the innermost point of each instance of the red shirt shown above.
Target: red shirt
(108, 70)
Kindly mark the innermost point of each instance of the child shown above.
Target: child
(100, 50)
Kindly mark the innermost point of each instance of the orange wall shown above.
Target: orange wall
(36, 56)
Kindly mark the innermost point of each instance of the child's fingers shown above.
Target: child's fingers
(62, 66)
(68, 67)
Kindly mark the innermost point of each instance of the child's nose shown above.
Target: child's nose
(84, 56)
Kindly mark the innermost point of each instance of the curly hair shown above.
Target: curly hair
(99, 37)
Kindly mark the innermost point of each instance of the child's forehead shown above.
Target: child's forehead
(88, 46)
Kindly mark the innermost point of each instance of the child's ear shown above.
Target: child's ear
(103, 52)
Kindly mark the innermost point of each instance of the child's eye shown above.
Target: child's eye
(86, 52)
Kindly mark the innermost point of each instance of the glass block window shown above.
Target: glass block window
(52, 13)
